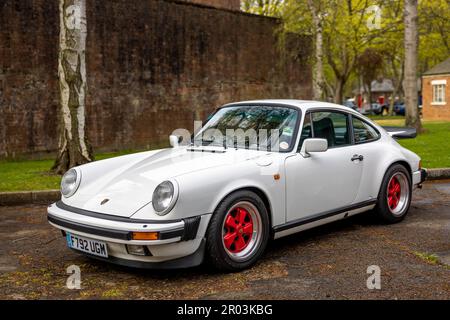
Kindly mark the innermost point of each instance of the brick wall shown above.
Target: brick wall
(150, 64)
(431, 111)
(224, 4)
(28, 76)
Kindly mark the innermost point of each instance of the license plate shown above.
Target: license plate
(91, 246)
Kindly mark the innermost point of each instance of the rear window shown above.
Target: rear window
(363, 132)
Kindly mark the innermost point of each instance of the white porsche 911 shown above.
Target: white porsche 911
(255, 171)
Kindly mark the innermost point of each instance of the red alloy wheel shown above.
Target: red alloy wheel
(238, 229)
(394, 192)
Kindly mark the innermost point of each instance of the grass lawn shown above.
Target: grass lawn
(34, 174)
(433, 146)
(385, 118)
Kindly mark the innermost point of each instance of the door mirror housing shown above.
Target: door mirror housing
(313, 145)
(175, 140)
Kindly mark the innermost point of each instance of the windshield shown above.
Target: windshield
(270, 128)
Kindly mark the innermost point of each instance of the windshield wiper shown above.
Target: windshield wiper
(211, 142)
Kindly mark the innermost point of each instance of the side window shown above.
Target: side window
(362, 131)
(332, 126)
(306, 130)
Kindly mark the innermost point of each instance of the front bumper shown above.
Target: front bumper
(179, 244)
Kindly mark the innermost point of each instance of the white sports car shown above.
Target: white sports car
(255, 171)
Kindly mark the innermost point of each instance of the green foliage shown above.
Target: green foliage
(263, 7)
(350, 27)
(434, 33)
(369, 63)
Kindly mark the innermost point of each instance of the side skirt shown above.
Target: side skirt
(321, 218)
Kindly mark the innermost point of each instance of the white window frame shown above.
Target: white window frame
(438, 92)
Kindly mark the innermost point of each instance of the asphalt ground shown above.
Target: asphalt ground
(329, 262)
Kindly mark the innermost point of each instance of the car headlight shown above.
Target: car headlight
(164, 197)
(70, 182)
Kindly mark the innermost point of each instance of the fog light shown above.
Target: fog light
(145, 236)
(138, 250)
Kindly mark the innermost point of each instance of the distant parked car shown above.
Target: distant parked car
(350, 103)
(379, 108)
(399, 108)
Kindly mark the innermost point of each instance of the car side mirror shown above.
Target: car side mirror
(313, 145)
(175, 140)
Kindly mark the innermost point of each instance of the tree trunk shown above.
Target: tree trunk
(391, 103)
(338, 91)
(73, 148)
(411, 57)
(397, 82)
(318, 72)
(318, 82)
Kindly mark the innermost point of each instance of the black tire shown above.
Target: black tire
(386, 211)
(216, 252)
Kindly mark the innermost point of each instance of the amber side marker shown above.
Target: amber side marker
(145, 236)
(276, 176)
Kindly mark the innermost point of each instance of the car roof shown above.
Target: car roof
(303, 105)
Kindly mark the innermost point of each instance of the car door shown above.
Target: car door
(325, 181)
(367, 138)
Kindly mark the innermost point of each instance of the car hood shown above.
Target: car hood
(123, 187)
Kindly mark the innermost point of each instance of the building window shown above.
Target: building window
(439, 91)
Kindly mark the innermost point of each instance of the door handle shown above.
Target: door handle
(357, 157)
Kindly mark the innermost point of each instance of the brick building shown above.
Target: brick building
(436, 92)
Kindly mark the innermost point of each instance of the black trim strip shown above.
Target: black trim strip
(423, 175)
(206, 150)
(320, 216)
(169, 234)
(93, 214)
(111, 233)
(191, 228)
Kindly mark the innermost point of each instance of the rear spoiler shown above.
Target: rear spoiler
(401, 132)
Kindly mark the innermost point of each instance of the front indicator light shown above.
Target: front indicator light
(145, 236)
